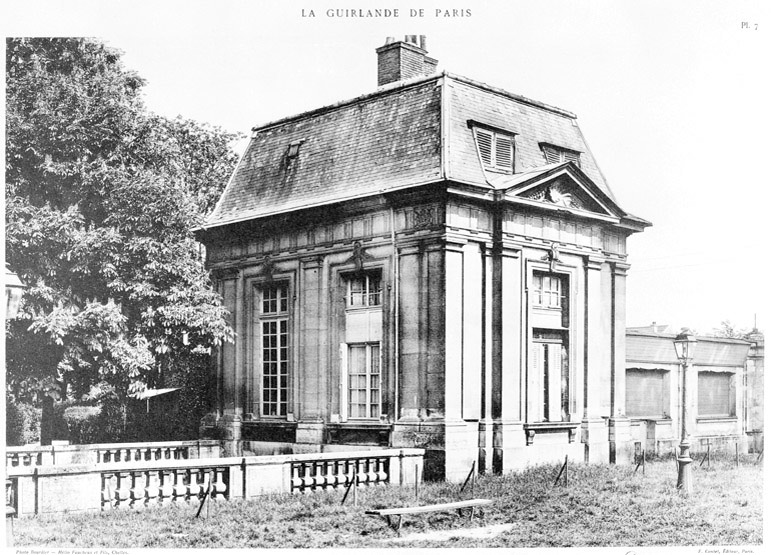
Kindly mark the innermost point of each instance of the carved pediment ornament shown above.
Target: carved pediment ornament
(359, 256)
(553, 256)
(556, 193)
(268, 267)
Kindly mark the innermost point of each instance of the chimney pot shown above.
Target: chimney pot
(400, 60)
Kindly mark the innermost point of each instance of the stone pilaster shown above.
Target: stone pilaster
(230, 426)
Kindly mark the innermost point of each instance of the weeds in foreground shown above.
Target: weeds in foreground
(602, 506)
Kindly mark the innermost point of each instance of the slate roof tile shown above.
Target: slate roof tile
(388, 140)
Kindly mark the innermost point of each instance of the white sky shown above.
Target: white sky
(671, 96)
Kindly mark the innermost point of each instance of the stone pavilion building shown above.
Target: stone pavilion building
(437, 264)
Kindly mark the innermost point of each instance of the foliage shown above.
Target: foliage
(22, 423)
(101, 198)
(603, 505)
(83, 424)
(728, 330)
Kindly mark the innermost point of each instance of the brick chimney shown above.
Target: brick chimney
(400, 60)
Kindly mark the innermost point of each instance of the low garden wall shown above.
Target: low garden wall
(62, 453)
(135, 484)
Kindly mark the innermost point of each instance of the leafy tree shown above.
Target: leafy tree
(101, 197)
(729, 330)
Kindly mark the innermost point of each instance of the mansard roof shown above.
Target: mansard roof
(407, 134)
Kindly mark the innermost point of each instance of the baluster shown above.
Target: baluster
(26, 459)
(123, 491)
(195, 487)
(308, 477)
(339, 473)
(153, 489)
(361, 471)
(382, 475)
(331, 477)
(372, 474)
(319, 479)
(180, 485)
(167, 485)
(220, 487)
(109, 485)
(139, 489)
(297, 481)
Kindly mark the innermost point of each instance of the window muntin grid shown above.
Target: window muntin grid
(274, 350)
(547, 290)
(365, 290)
(364, 397)
(274, 299)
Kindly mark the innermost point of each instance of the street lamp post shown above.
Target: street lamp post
(685, 344)
(14, 288)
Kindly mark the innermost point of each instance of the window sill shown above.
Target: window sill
(716, 419)
(353, 423)
(656, 419)
(363, 308)
(532, 428)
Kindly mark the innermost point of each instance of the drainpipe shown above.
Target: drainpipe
(395, 304)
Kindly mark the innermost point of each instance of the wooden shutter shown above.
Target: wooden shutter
(715, 397)
(485, 146)
(645, 392)
(572, 157)
(535, 383)
(554, 355)
(504, 150)
(552, 155)
(343, 382)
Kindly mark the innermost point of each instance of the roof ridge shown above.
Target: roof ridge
(391, 87)
(398, 85)
(513, 96)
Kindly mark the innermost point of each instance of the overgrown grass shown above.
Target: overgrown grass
(602, 506)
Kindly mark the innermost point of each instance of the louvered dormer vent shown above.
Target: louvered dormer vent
(556, 154)
(496, 150)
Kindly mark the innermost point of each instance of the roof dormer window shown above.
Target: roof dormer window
(556, 154)
(293, 150)
(496, 150)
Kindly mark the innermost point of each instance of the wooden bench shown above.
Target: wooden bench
(400, 512)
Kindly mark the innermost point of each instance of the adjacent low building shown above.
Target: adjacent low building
(437, 264)
(724, 391)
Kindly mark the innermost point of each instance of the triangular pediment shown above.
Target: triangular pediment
(565, 193)
(559, 186)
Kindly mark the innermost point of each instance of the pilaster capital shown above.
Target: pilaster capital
(620, 268)
(593, 263)
(310, 262)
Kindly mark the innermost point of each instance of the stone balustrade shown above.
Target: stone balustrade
(140, 483)
(62, 453)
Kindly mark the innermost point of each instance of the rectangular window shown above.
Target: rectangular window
(364, 381)
(647, 393)
(365, 290)
(273, 352)
(717, 396)
(549, 378)
(495, 150)
(555, 154)
(547, 290)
